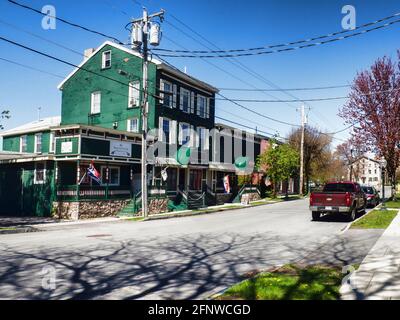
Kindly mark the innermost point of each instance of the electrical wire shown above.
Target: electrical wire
(288, 89)
(64, 21)
(31, 68)
(70, 64)
(289, 45)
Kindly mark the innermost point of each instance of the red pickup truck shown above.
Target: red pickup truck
(338, 197)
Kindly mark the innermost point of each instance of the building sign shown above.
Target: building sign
(120, 149)
(66, 147)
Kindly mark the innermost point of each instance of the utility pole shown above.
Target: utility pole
(302, 151)
(140, 37)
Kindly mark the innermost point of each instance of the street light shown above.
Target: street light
(383, 169)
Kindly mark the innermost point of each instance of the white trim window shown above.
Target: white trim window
(203, 138)
(202, 106)
(184, 133)
(106, 60)
(168, 94)
(132, 125)
(112, 176)
(95, 102)
(52, 142)
(184, 100)
(38, 143)
(134, 94)
(167, 130)
(23, 144)
(40, 173)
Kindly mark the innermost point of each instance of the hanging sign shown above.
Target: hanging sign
(120, 149)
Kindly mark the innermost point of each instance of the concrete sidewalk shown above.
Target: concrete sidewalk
(378, 277)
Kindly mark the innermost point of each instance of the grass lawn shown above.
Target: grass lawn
(375, 219)
(393, 204)
(8, 229)
(290, 282)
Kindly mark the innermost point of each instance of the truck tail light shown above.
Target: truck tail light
(348, 199)
(311, 199)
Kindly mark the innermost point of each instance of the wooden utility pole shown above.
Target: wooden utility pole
(141, 39)
(302, 151)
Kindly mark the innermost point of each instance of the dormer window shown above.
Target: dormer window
(106, 60)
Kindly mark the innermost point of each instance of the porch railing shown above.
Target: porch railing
(74, 192)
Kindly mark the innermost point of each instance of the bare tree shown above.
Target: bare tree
(316, 150)
(374, 110)
(349, 152)
(5, 114)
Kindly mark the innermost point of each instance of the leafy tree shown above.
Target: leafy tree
(5, 114)
(374, 111)
(281, 161)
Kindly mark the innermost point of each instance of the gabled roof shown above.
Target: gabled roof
(367, 158)
(34, 126)
(158, 63)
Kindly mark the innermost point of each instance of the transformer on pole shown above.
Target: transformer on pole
(140, 36)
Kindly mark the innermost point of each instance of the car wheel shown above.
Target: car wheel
(352, 215)
(316, 215)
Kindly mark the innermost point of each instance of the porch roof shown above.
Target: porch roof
(17, 157)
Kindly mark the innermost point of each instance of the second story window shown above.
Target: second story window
(38, 143)
(106, 60)
(202, 107)
(134, 94)
(133, 125)
(95, 102)
(185, 100)
(167, 93)
(52, 142)
(23, 145)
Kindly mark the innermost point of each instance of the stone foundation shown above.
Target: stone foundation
(158, 205)
(88, 209)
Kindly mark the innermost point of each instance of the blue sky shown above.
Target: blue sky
(227, 24)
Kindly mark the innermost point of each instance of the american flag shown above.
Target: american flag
(93, 173)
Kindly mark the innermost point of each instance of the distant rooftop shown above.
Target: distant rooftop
(34, 126)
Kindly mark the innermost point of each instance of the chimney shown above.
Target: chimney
(88, 53)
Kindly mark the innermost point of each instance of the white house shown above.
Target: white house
(366, 171)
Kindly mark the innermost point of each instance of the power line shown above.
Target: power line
(248, 127)
(238, 63)
(235, 62)
(257, 113)
(41, 38)
(290, 44)
(65, 21)
(31, 68)
(69, 63)
(288, 89)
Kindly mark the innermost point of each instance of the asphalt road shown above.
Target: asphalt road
(181, 258)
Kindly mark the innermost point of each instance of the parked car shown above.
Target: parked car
(373, 198)
(338, 197)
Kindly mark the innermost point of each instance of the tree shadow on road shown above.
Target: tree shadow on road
(186, 267)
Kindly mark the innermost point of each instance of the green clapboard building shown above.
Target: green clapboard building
(45, 163)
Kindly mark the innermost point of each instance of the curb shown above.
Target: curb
(16, 230)
(185, 213)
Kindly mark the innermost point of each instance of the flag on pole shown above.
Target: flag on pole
(93, 173)
(227, 186)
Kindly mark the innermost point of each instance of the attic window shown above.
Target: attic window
(106, 61)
